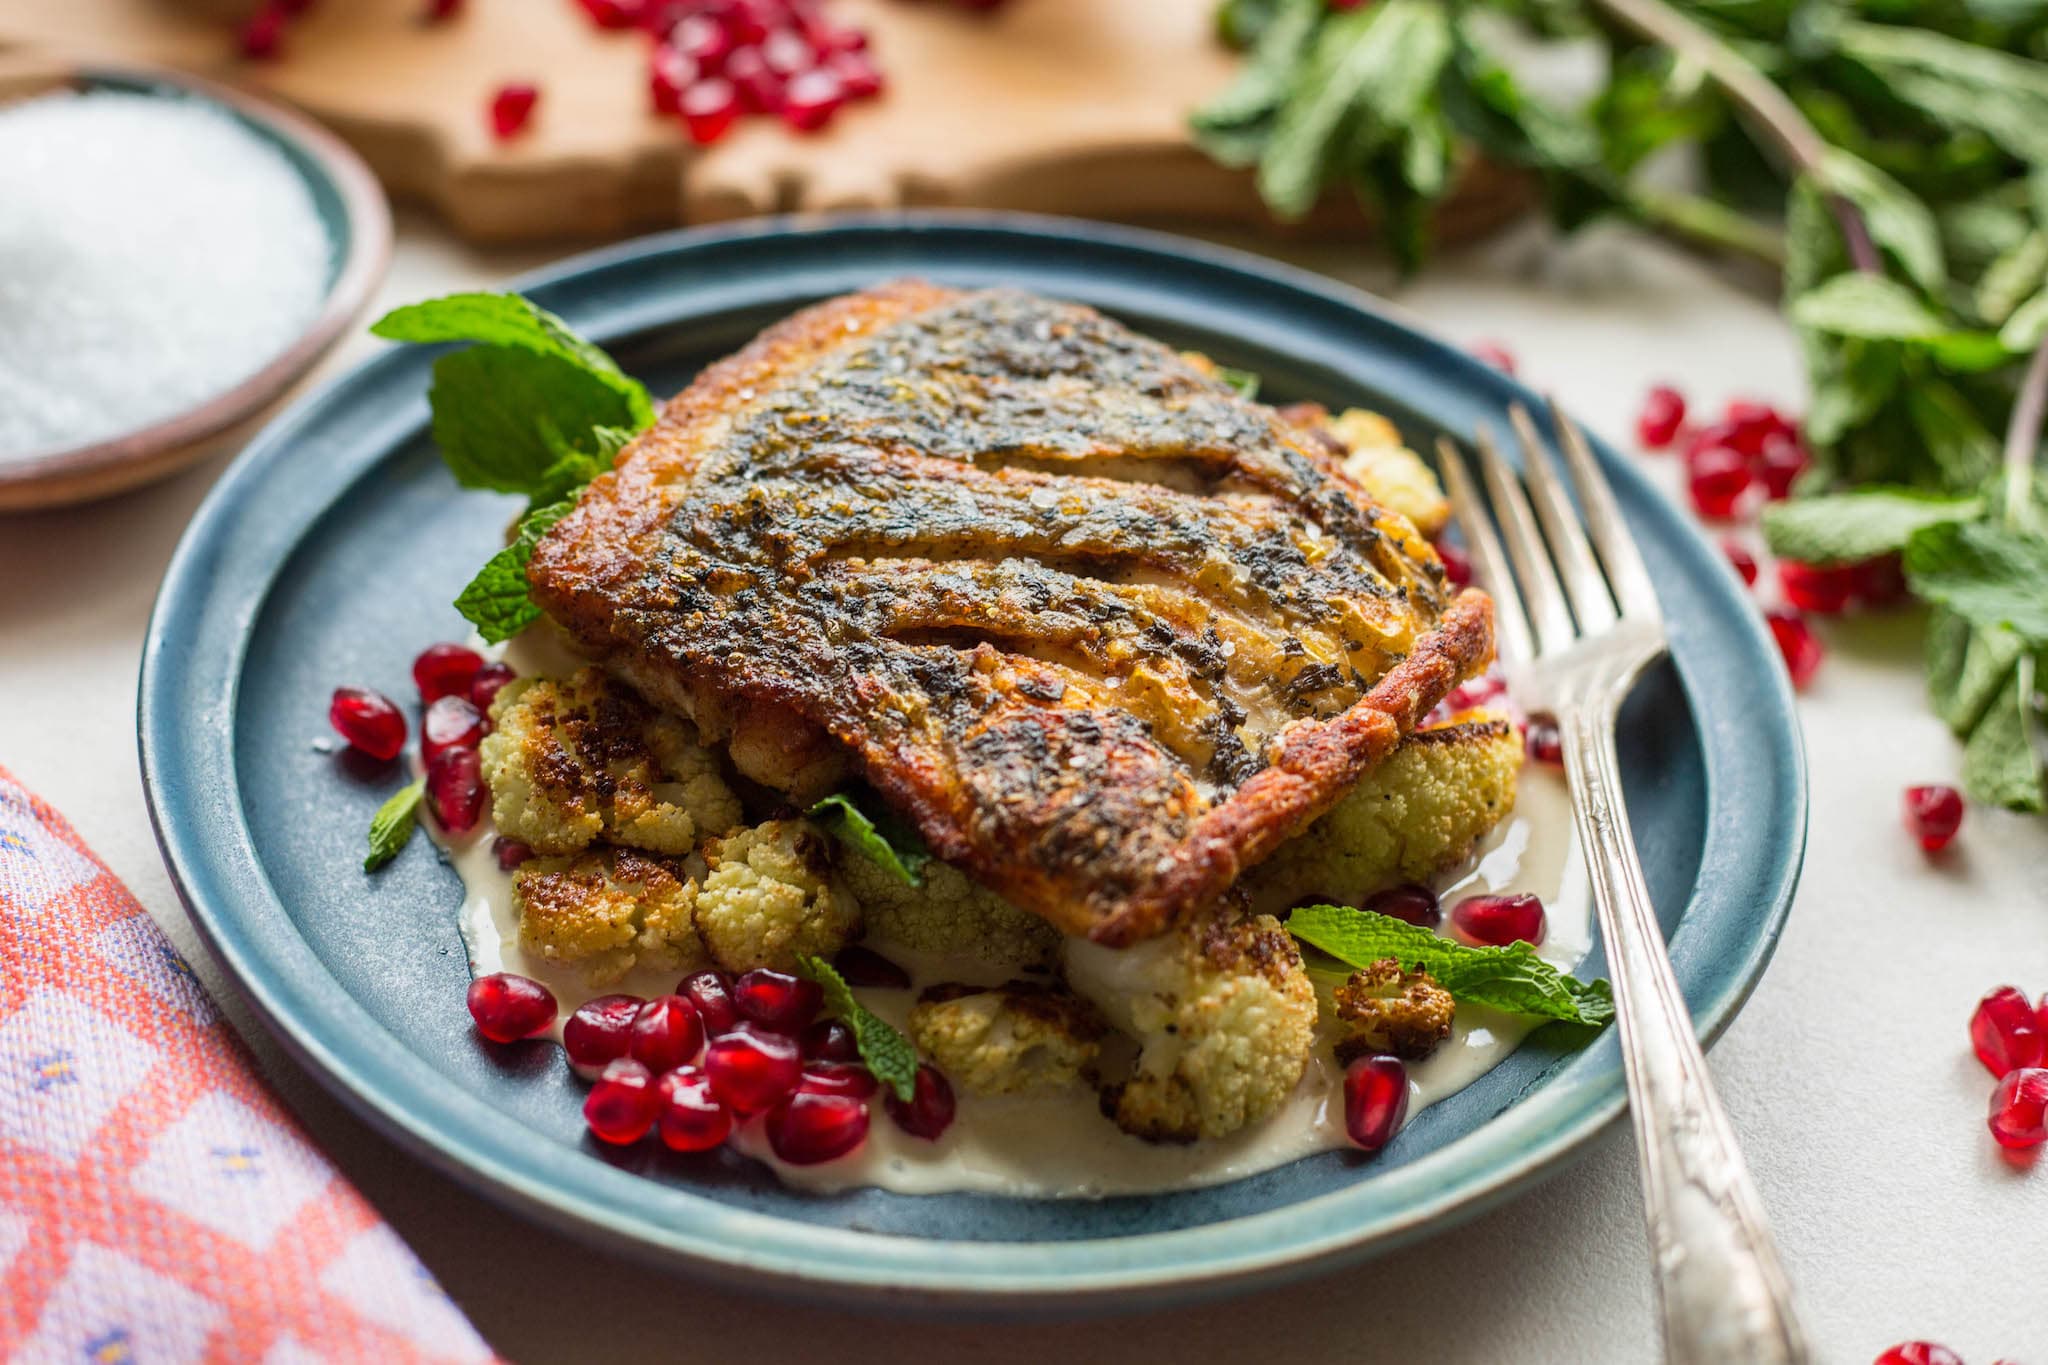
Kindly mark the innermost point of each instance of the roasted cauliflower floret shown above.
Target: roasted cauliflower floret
(770, 895)
(1394, 475)
(1007, 1040)
(948, 914)
(1386, 1010)
(1417, 813)
(1225, 1017)
(583, 758)
(607, 911)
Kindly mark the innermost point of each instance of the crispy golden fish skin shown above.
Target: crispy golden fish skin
(1106, 633)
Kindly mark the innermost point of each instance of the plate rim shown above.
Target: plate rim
(1127, 1271)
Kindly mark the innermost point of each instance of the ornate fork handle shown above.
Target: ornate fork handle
(1725, 1296)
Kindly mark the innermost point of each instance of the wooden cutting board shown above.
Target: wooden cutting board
(1057, 106)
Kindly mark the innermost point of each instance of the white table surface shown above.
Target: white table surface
(1848, 1075)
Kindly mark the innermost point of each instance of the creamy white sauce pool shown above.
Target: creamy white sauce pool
(1060, 1145)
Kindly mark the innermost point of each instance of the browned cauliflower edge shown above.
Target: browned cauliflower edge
(606, 911)
(771, 895)
(1015, 1039)
(1383, 1009)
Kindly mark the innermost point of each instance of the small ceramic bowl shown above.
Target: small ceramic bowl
(352, 209)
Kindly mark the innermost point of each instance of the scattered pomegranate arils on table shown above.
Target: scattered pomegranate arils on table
(1716, 478)
(808, 1128)
(1543, 741)
(711, 992)
(1663, 413)
(669, 74)
(1814, 587)
(612, 13)
(811, 98)
(1457, 568)
(1933, 815)
(2007, 1032)
(489, 681)
(369, 721)
(838, 1078)
(1411, 902)
(709, 109)
(776, 1000)
(692, 1119)
(507, 1007)
(451, 723)
(509, 853)
(1918, 1353)
(760, 89)
(1797, 645)
(455, 789)
(703, 40)
(599, 1032)
(2019, 1109)
(440, 11)
(862, 966)
(1496, 921)
(1752, 425)
(830, 1040)
(1743, 560)
(446, 670)
(622, 1106)
(1779, 465)
(930, 1110)
(1878, 582)
(512, 109)
(262, 34)
(1375, 1100)
(665, 1033)
(751, 1068)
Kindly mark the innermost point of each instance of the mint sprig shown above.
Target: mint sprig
(391, 827)
(879, 837)
(887, 1053)
(1512, 979)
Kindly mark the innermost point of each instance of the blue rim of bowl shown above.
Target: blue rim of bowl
(188, 694)
(352, 208)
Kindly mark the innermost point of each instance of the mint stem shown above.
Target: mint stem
(2023, 437)
(1768, 107)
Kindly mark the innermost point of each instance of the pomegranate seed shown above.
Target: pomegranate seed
(760, 90)
(455, 789)
(786, 52)
(1662, 415)
(1880, 581)
(1375, 1100)
(839, 39)
(666, 1033)
(776, 1000)
(669, 73)
(1717, 478)
(1779, 465)
(612, 13)
(865, 967)
(510, 853)
(808, 1127)
(262, 35)
(1752, 425)
(507, 1008)
(1814, 588)
(930, 1111)
(1496, 921)
(1934, 814)
(484, 688)
(709, 108)
(830, 1040)
(692, 1119)
(623, 1104)
(368, 721)
(1477, 692)
(703, 40)
(512, 109)
(1494, 354)
(751, 1068)
(838, 1078)
(445, 670)
(748, 24)
(711, 993)
(1714, 436)
(1457, 568)
(1743, 560)
(1413, 903)
(2007, 1032)
(1543, 741)
(451, 723)
(440, 11)
(859, 76)
(811, 100)
(1797, 645)
(2019, 1108)
(600, 1031)
(1918, 1353)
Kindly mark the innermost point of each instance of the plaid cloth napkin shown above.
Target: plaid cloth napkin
(157, 1203)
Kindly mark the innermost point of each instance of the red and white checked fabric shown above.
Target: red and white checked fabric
(157, 1204)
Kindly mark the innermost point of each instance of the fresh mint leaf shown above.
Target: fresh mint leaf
(2023, 331)
(504, 415)
(1244, 382)
(1512, 979)
(1966, 666)
(888, 1053)
(497, 601)
(512, 320)
(2000, 763)
(1952, 435)
(1898, 222)
(2017, 273)
(1842, 528)
(1992, 576)
(1859, 304)
(1962, 86)
(391, 827)
(881, 838)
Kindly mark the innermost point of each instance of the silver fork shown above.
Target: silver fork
(1575, 634)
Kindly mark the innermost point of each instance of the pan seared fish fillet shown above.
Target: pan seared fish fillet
(1104, 632)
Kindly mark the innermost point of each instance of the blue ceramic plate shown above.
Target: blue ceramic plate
(331, 547)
